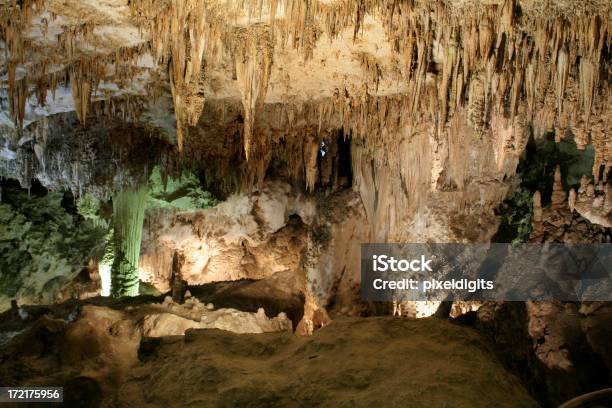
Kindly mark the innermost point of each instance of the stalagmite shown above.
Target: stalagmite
(590, 191)
(177, 282)
(572, 200)
(536, 223)
(537, 207)
(128, 214)
(397, 308)
(558, 195)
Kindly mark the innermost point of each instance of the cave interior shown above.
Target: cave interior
(186, 185)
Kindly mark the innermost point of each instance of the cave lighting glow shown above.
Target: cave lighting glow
(104, 269)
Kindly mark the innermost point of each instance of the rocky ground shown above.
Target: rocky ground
(102, 358)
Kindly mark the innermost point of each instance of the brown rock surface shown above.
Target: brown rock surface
(546, 344)
(101, 360)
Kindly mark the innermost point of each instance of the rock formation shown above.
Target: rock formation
(101, 358)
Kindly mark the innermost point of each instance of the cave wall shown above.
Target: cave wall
(45, 247)
(315, 239)
(227, 242)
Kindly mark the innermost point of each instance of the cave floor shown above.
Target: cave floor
(376, 361)
(352, 362)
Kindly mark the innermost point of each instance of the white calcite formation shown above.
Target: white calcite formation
(594, 201)
(577, 217)
(178, 318)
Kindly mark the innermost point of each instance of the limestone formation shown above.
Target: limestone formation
(397, 308)
(558, 194)
(128, 215)
(484, 64)
(177, 283)
(584, 218)
(595, 203)
(194, 315)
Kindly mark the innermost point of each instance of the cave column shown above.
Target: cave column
(128, 216)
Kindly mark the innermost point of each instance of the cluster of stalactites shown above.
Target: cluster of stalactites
(493, 61)
(182, 32)
(14, 16)
(35, 69)
(515, 61)
(253, 59)
(187, 33)
(499, 63)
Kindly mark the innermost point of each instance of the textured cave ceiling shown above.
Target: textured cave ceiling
(238, 84)
(291, 52)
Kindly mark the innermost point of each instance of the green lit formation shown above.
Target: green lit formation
(43, 246)
(182, 193)
(106, 264)
(128, 216)
(118, 267)
(536, 173)
(88, 207)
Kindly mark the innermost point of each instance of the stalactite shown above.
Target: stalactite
(485, 38)
(18, 95)
(253, 58)
(81, 94)
(562, 75)
(537, 228)
(311, 151)
(128, 215)
(448, 68)
(372, 69)
(476, 104)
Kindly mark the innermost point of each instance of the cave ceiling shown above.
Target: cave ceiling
(417, 85)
